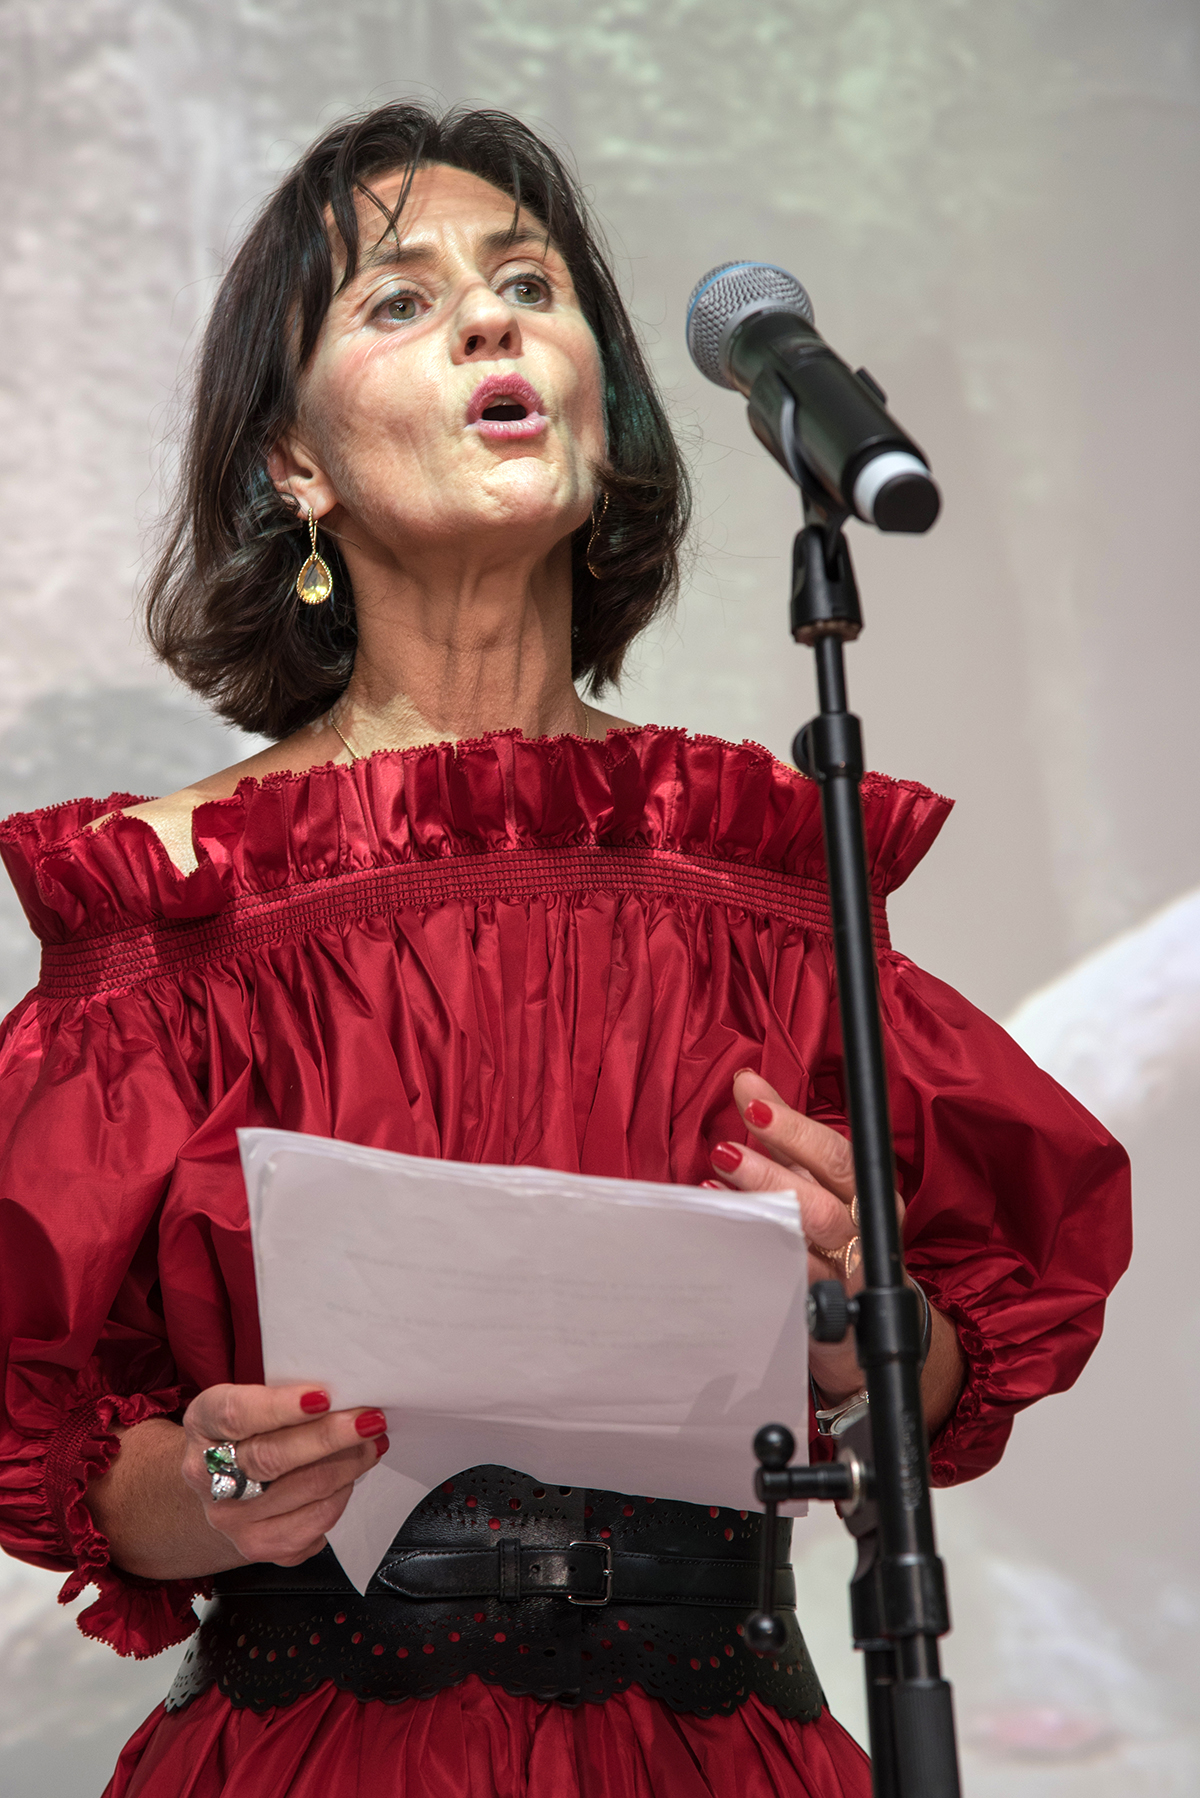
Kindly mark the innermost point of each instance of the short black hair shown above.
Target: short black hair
(221, 606)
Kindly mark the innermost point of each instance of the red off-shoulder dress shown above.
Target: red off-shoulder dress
(548, 952)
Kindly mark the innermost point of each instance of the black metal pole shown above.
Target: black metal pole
(905, 1585)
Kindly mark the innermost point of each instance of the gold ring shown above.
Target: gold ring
(850, 1254)
(844, 1260)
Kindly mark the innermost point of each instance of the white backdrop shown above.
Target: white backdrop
(993, 208)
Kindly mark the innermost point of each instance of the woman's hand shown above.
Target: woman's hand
(287, 1436)
(792, 1152)
(155, 1503)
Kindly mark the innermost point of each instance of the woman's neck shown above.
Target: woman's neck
(453, 652)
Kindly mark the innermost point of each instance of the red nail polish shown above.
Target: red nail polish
(381, 1447)
(713, 1186)
(314, 1402)
(726, 1157)
(759, 1114)
(370, 1423)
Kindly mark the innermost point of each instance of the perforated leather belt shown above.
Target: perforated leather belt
(552, 1592)
(584, 1573)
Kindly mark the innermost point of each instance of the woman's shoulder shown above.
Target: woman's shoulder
(171, 817)
(97, 864)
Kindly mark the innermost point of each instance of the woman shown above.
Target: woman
(456, 911)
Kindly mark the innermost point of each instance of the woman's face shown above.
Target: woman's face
(455, 394)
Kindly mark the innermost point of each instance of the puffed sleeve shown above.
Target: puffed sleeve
(1018, 1206)
(95, 1101)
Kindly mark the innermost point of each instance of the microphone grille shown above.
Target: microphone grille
(729, 292)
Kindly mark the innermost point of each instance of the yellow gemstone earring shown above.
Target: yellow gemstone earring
(314, 583)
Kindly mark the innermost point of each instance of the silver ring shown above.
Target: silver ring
(228, 1479)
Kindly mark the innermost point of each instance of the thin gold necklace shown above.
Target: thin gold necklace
(349, 748)
(355, 757)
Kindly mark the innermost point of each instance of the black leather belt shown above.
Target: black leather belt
(552, 1592)
(584, 1573)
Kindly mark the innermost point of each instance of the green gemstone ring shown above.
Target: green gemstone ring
(228, 1479)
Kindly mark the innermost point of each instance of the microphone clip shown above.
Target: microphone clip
(825, 599)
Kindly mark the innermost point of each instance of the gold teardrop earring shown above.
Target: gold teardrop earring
(314, 583)
(595, 572)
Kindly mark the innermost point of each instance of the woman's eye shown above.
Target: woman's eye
(397, 308)
(527, 290)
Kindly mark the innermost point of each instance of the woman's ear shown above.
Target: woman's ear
(298, 478)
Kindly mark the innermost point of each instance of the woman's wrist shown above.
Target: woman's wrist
(834, 1382)
(831, 1396)
(155, 1525)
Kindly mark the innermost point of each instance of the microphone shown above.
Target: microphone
(750, 327)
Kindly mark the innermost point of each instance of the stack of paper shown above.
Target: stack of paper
(605, 1333)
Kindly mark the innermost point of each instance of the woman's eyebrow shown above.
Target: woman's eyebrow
(389, 254)
(393, 255)
(495, 241)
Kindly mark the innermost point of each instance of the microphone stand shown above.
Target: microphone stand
(880, 1480)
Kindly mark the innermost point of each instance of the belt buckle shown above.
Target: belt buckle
(606, 1547)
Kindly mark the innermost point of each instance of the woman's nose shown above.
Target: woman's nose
(486, 326)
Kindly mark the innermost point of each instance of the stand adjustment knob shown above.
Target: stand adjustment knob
(830, 1312)
(774, 1446)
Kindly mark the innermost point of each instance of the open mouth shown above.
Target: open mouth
(506, 406)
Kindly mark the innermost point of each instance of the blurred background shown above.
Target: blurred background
(993, 208)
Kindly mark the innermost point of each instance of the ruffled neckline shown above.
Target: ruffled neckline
(655, 787)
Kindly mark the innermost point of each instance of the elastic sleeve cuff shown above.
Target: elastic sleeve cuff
(972, 1439)
(134, 1616)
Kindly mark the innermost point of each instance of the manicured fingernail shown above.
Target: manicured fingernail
(370, 1423)
(745, 1071)
(381, 1447)
(714, 1186)
(312, 1402)
(759, 1114)
(726, 1156)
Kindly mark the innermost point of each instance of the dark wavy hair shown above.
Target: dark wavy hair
(221, 605)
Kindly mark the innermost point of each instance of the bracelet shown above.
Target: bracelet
(837, 1418)
(926, 1323)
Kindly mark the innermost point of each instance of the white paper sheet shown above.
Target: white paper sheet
(607, 1333)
